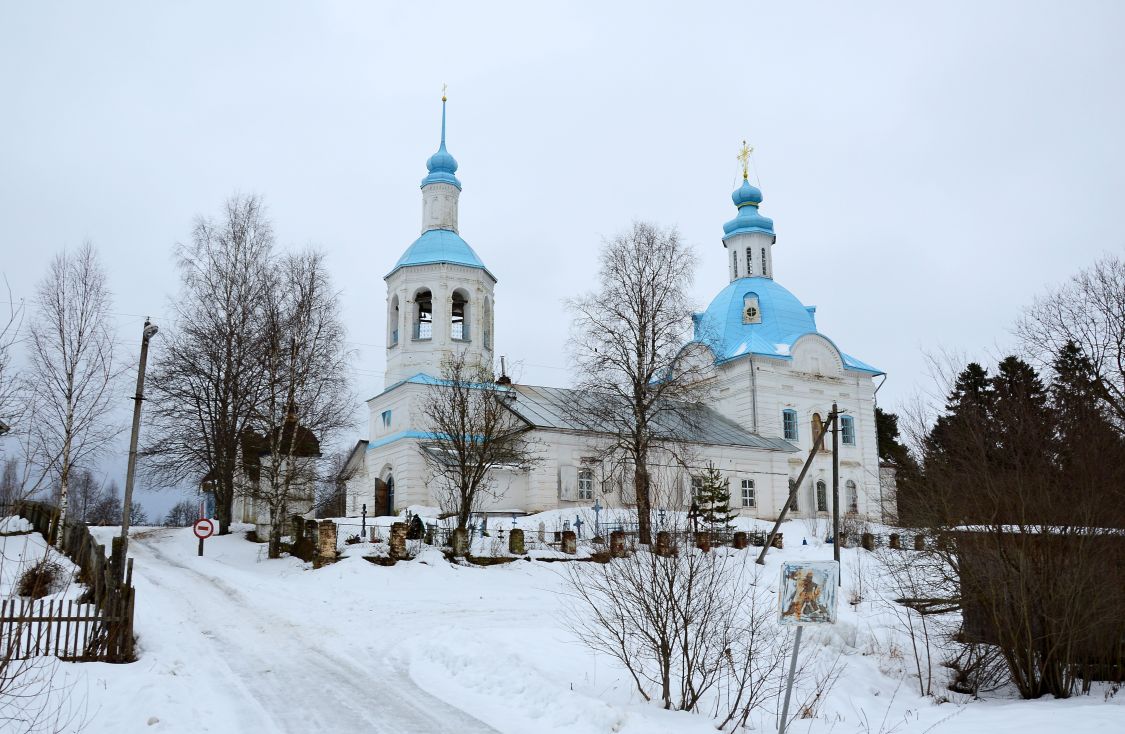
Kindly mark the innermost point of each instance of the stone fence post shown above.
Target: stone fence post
(460, 543)
(326, 540)
(895, 542)
(919, 542)
(664, 546)
(703, 541)
(569, 542)
(617, 544)
(741, 540)
(867, 540)
(778, 541)
(515, 542)
(398, 540)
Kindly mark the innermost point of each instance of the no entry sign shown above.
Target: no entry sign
(204, 528)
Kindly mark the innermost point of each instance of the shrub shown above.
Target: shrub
(38, 580)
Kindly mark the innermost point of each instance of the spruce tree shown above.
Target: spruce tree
(714, 501)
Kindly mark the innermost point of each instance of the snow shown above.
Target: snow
(234, 642)
(13, 525)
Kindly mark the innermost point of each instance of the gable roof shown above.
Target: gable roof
(576, 410)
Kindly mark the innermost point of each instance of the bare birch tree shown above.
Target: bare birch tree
(306, 400)
(9, 384)
(208, 379)
(1088, 310)
(628, 342)
(474, 433)
(71, 355)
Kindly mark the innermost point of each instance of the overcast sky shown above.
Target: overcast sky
(930, 168)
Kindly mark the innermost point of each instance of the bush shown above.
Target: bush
(38, 580)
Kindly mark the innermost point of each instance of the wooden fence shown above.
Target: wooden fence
(99, 626)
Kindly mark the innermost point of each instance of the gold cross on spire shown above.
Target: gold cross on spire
(744, 157)
(443, 88)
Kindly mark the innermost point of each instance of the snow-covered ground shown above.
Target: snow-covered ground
(233, 642)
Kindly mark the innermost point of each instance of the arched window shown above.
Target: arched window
(486, 325)
(749, 261)
(847, 430)
(821, 496)
(817, 427)
(789, 424)
(585, 484)
(423, 315)
(751, 312)
(748, 493)
(392, 317)
(853, 497)
(459, 317)
(765, 272)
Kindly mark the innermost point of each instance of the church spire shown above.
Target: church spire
(749, 236)
(441, 165)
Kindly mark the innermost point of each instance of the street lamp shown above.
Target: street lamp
(149, 332)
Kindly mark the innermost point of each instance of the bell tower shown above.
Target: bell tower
(440, 295)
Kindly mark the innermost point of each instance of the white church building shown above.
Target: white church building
(776, 378)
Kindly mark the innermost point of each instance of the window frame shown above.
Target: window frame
(852, 491)
(749, 493)
(847, 430)
(790, 425)
(821, 491)
(585, 483)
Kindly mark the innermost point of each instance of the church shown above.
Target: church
(775, 380)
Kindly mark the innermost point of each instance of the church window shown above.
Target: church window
(794, 505)
(459, 317)
(789, 423)
(751, 312)
(821, 496)
(749, 261)
(847, 430)
(747, 492)
(765, 272)
(853, 497)
(817, 427)
(486, 326)
(696, 489)
(734, 262)
(392, 315)
(423, 315)
(386, 416)
(585, 484)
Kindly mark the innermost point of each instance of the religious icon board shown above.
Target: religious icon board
(807, 592)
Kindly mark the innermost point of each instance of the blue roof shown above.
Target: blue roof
(441, 165)
(747, 198)
(784, 320)
(440, 246)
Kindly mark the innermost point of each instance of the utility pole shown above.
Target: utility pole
(836, 491)
(149, 331)
(793, 489)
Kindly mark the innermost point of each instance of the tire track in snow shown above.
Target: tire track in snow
(298, 684)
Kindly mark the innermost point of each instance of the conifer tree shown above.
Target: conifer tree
(714, 501)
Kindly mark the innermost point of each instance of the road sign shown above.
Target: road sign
(204, 528)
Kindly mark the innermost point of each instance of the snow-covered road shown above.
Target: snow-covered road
(294, 674)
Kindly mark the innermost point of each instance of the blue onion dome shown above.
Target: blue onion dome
(441, 165)
(746, 195)
(747, 198)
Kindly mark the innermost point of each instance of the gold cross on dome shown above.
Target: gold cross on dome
(744, 157)
(443, 88)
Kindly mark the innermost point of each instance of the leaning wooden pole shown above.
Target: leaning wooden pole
(793, 491)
